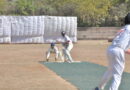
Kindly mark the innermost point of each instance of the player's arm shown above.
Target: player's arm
(60, 41)
(127, 51)
(67, 42)
(56, 49)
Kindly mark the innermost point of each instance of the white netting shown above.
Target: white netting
(36, 29)
(27, 29)
(5, 29)
(54, 26)
(27, 39)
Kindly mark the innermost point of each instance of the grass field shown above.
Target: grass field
(20, 67)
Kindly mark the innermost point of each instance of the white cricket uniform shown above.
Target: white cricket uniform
(52, 50)
(68, 45)
(116, 59)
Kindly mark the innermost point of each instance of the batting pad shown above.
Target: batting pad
(84, 75)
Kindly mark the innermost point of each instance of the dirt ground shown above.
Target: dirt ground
(20, 67)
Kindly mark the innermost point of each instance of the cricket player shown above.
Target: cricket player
(52, 49)
(116, 57)
(68, 45)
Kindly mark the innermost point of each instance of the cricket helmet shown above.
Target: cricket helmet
(127, 19)
(52, 44)
(63, 33)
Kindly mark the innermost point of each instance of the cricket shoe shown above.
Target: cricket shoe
(97, 88)
(47, 60)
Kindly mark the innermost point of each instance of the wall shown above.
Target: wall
(96, 33)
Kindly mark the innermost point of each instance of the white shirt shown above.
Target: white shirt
(53, 50)
(67, 39)
(122, 39)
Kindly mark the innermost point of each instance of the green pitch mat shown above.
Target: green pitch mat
(84, 75)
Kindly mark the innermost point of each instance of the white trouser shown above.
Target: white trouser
(115, 69)
(66, 53)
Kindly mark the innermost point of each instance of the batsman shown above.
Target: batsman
(68, 45)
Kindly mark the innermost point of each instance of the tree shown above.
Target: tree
(25, 7)
(3, 4)
(92, 12)
(89, 12)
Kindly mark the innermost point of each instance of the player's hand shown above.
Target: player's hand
(127, 51)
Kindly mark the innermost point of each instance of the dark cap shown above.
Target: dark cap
(52, 44)
(127, 19)
(63, 33)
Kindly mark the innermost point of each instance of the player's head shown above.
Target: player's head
(52, 45)
(63, 33)
(127, 19)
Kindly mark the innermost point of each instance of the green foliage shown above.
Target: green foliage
(120, 1)
(25, 7)
(3, 4)
(89, 12)
(93, 12)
